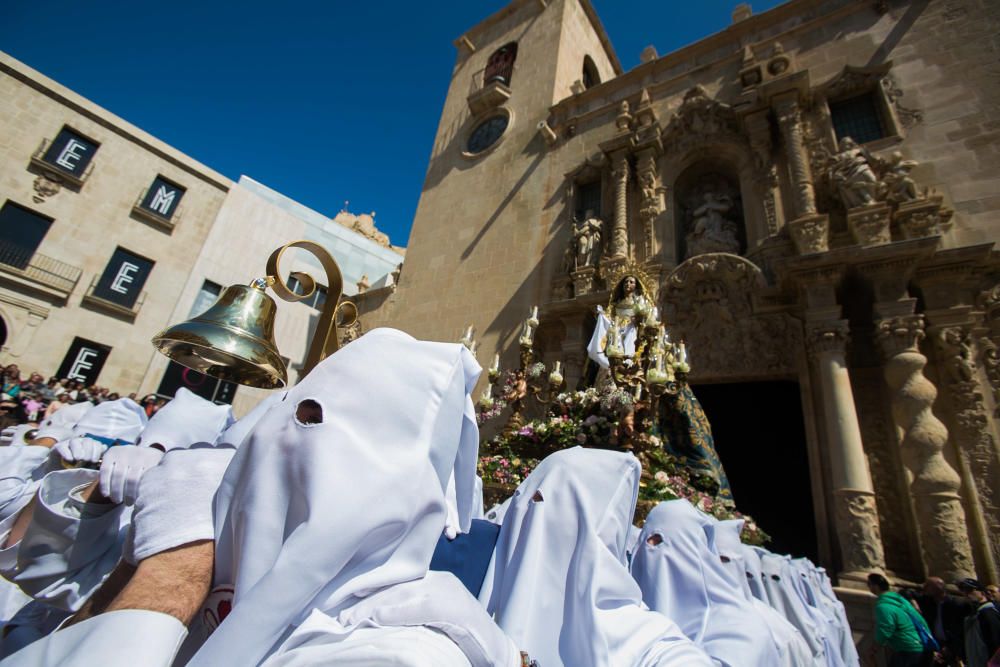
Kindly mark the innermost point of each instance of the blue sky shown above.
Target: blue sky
(325, 102)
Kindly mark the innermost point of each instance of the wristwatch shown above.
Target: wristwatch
(526, 660)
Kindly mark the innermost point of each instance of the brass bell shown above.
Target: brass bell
(233, 340)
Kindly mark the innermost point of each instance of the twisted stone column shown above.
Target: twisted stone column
(619, 232)
(855, 511)
(944, 539)
(790, 121)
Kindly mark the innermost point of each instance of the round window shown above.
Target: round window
(487, 133)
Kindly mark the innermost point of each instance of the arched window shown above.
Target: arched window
(500, 66)
(590, 76)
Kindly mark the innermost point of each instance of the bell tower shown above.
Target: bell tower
(490, 197)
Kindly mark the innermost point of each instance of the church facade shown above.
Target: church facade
(813, 195)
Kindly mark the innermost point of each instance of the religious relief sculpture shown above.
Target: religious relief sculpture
(711, 229)
(852, 174)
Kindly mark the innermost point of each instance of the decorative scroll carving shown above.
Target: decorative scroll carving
(44, 188)
(708, 300)
(790, 121)
(907, 117)
(857, 518)
(884, 464)
(941, 519)
(827, 337)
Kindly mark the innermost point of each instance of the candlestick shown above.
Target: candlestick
(495, 366)
(533, 316)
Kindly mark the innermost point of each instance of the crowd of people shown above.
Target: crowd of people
(34, 398)
(341, 522)
(931, 627)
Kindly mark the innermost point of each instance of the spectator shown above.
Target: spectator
(993, 593)
(899, 626)
(57, 405)
(149, 404)
(944, 615)
(32, 406)
(982, 628)
(48, 390)
(11, 383)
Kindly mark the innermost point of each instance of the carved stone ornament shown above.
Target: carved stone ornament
(701, 119)
(708, 304)
(869, 225)
(923, 217)
(811, 233)
(857, 514)
(827, 337)
(900, 334)
(44, 188)
(583, 280)
(907, 117)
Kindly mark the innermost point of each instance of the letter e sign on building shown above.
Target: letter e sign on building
(84, 361)
(123, 278)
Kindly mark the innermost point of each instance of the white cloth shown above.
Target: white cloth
(441, 602)
(123, 419)
(21, 469)
(755, 576)
(599, 339)
(560, 587)
(683, 577)
(316, 516)
(16, 436)
(838, 636)
(60, 425)
(126, 638)
(122, 469)
(477, 499)
(70, 547)
(497, 512)
(779, 581)
(791, 646)
(174, 505)
(236, 432)
(186, 420)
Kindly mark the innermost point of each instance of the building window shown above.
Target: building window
(588, 200)
(209, 388)
(487, 133)
(207, 296)
(123, 278)
(70, 152)
(162, 198)
(590, 76)
(21, 232)
(318, 298)
(500, 66)
(84, 361)
(858, 118)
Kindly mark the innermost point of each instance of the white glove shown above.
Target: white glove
(439, 601)
(80, 450)
(122, 468)
(175, 501)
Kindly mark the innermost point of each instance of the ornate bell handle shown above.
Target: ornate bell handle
(335, 313)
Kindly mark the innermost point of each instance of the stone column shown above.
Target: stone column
(855, 511)
(944, 539)
(977, 449)
(766, 176)
(790, 121)
(619, 231)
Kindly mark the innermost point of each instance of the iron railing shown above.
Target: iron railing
(26, 263)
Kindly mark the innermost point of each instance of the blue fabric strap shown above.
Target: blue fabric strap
(110, 442)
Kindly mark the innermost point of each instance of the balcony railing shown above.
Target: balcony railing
(38, 268)
(143, 213)
(490, 88)
(127, 312)
(39, 162)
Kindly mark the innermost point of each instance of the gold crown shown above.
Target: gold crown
(615, 274)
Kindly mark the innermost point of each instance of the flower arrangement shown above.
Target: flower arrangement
(507, 470)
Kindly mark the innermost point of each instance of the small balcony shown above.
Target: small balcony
(109, 307)
(37, 270)
(490, 88)
(54, 172)
(152, 217)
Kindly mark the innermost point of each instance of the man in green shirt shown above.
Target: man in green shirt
(899, 626)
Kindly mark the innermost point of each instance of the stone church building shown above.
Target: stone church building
(813, 197)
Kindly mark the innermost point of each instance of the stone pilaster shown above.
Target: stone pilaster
(619, 230)
(934, 489)
(855, 510)
(651, 203)
(766, 176)
(977, 448)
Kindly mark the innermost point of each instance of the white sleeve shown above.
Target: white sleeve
(123, 638)
(71, 546)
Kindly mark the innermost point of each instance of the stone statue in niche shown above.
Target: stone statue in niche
(587, 241)
(711, 228)
(852, 174)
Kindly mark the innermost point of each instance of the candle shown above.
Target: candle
(496, 363)
(683, 354)
(534, 312)
(556, 377)
(486, 400)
